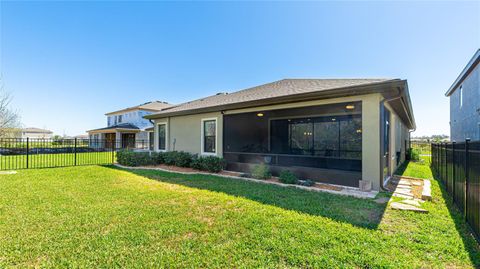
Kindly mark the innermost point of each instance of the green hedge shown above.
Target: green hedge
(176, 158)
(209, 163)
(288, 177)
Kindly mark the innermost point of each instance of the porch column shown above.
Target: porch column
(118, 140)
(371, 139)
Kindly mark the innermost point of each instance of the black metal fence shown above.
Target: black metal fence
(457, 165)
(25, 153)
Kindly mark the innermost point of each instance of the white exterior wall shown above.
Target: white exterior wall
(134, 117)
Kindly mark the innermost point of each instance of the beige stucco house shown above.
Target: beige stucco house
(337, 131)
(33, 132)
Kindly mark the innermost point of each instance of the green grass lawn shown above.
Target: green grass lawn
(95, 216)
(54, 160)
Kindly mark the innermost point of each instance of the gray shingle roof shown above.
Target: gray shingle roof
(118, 126)
(153, 106)
(281, 88)
(35, 130)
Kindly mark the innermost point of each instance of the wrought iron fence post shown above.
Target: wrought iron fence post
(467, 168)
(27, 150)
(114, 142)
(75, 152)
(453, 170)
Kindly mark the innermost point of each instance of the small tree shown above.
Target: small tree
(9, 119)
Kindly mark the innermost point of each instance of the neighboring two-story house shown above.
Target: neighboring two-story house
(465, 102)
(126, 126)
(32, 132)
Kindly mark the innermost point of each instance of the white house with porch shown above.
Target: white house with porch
(126, 127)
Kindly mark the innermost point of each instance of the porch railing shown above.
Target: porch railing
(25, 153)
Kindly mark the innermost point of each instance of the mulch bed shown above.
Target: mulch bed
(173, 168)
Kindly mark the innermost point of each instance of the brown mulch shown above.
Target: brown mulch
(173, 168)
(327, 187)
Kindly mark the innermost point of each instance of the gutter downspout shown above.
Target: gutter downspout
(382, 106)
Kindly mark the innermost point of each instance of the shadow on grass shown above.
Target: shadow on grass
(363, 213)
(469, 241)
(461, 226)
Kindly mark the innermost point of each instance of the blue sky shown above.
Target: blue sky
(67, 63)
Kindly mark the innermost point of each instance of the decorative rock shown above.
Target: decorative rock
(405, 207)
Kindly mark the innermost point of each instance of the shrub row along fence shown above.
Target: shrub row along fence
(423, 147)
(457, 165)
(19, 153)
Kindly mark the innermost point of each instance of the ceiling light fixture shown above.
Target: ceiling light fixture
(260, 114)
(350, 107)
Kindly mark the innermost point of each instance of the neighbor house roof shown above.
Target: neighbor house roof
(36, 130)
(153, 106)
(283, 91)
(117, 127)
(465, 72)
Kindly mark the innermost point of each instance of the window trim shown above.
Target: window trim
(202, 137)
(461, 96)
(157, 137)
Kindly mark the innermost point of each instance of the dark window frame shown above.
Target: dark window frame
(339, 151)
(164, 137)
(205, 138)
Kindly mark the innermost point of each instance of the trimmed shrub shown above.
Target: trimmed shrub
(208, 163)
(177, 158)
(261, 171)
(169, 157)
(307, 183)
(160, 157)
(183, 159)
(288, 177)
(132, 158)
(414, 154)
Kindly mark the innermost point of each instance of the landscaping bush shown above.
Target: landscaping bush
(307, 183)
(160, 157)
(177, 158)
(183, 159)
(208, 163)
(414, 154)
(288, 177)
(261, 171)
(132, 158)
(169, 157)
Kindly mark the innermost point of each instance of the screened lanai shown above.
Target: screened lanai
(321, 143)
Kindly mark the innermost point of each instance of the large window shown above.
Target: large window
(328, 136)
(209, 136)
(162, 136)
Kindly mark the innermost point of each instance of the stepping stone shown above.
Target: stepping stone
(405, 207)
(427, 191)
(406, 196)
(382, 200)
(403, 187)
(403, 191)
(7, 172)
(410, 202)
(416, 183)
(404, 183)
